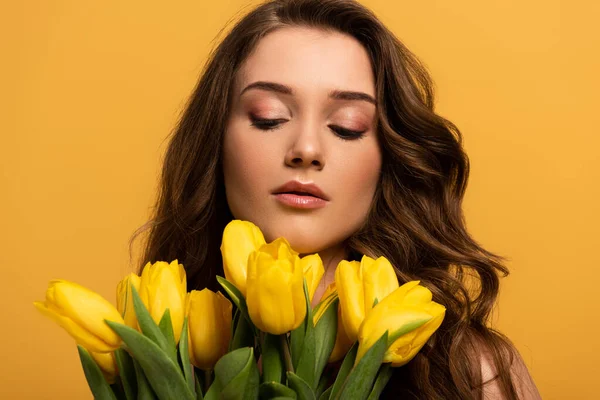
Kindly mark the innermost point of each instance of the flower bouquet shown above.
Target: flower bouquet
(162, 342)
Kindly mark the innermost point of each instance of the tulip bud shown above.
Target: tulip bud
(240, 238)
(107, 364)
(125, 299)
(312, 268)
(81, 313)
(275, 288)
(359, 285)
(209, 327)
(163, 286)
(409, 316)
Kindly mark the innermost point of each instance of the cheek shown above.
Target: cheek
(245, 166)
(362, 176)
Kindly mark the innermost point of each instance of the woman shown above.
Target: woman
(314, 122)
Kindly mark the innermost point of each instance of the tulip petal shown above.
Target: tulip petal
(209, 327)
(275, 302)
(81, 336)
(107, 364)
(161, 287)
(402, 351)
(125, 301)
(411, 318)
(85, 308)
(312, 268)
(348, 280)
(379, 280)
(240, 238)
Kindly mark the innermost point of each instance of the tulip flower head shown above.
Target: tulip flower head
(410, 317)
(163, 286)
(359, 285)
(81, 312)
(209, 327)
(275, 288)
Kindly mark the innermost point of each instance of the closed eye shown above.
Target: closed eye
(273, 124)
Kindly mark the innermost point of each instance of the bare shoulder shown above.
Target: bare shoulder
(519, 374)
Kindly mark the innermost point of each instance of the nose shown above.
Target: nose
(306, 151)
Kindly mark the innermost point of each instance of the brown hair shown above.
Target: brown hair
(416, 220)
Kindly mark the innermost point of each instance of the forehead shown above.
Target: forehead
(309, 60)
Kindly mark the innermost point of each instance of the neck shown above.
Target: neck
(331, 258)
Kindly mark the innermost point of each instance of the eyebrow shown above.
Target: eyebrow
(334, 94)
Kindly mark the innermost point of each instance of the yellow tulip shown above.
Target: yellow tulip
(312, 269)
(125, 300)
(342, 341)
(163, 286)
(358, 285)
(275, 288)
(81, 312)
(240, 238)
(408, 306)
(209, 327)
(107, 364)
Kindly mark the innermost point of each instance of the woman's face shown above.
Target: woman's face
(303, 114)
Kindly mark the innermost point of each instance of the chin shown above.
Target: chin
(304, 240)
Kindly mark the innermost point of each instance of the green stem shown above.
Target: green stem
(286, 353)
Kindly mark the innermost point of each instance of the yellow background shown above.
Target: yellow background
(90, 89)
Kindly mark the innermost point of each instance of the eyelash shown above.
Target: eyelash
(273, 124)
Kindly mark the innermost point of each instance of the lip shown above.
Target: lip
(299, 187)
(301, 195)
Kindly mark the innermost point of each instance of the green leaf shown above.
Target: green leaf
(270, 390)
(164, 375)
(237, 298)
(98, 385)
(344, 371)
(186, 365)
(325, 333)
(301, 387)
(359, 382)
(149, 327)
(126, 373)
(383, 376)
(308, 355)
(297, 343)
(406, 328)
(243, 333)
(326, 394)
(272, 359)
(236, 377)
(144, 390)
(323, 382)
(166, 328)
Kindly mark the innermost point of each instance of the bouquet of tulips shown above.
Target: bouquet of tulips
(162, 342)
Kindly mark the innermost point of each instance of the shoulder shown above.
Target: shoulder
(517, 373)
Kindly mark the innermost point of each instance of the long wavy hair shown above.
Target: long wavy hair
(416, 218)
